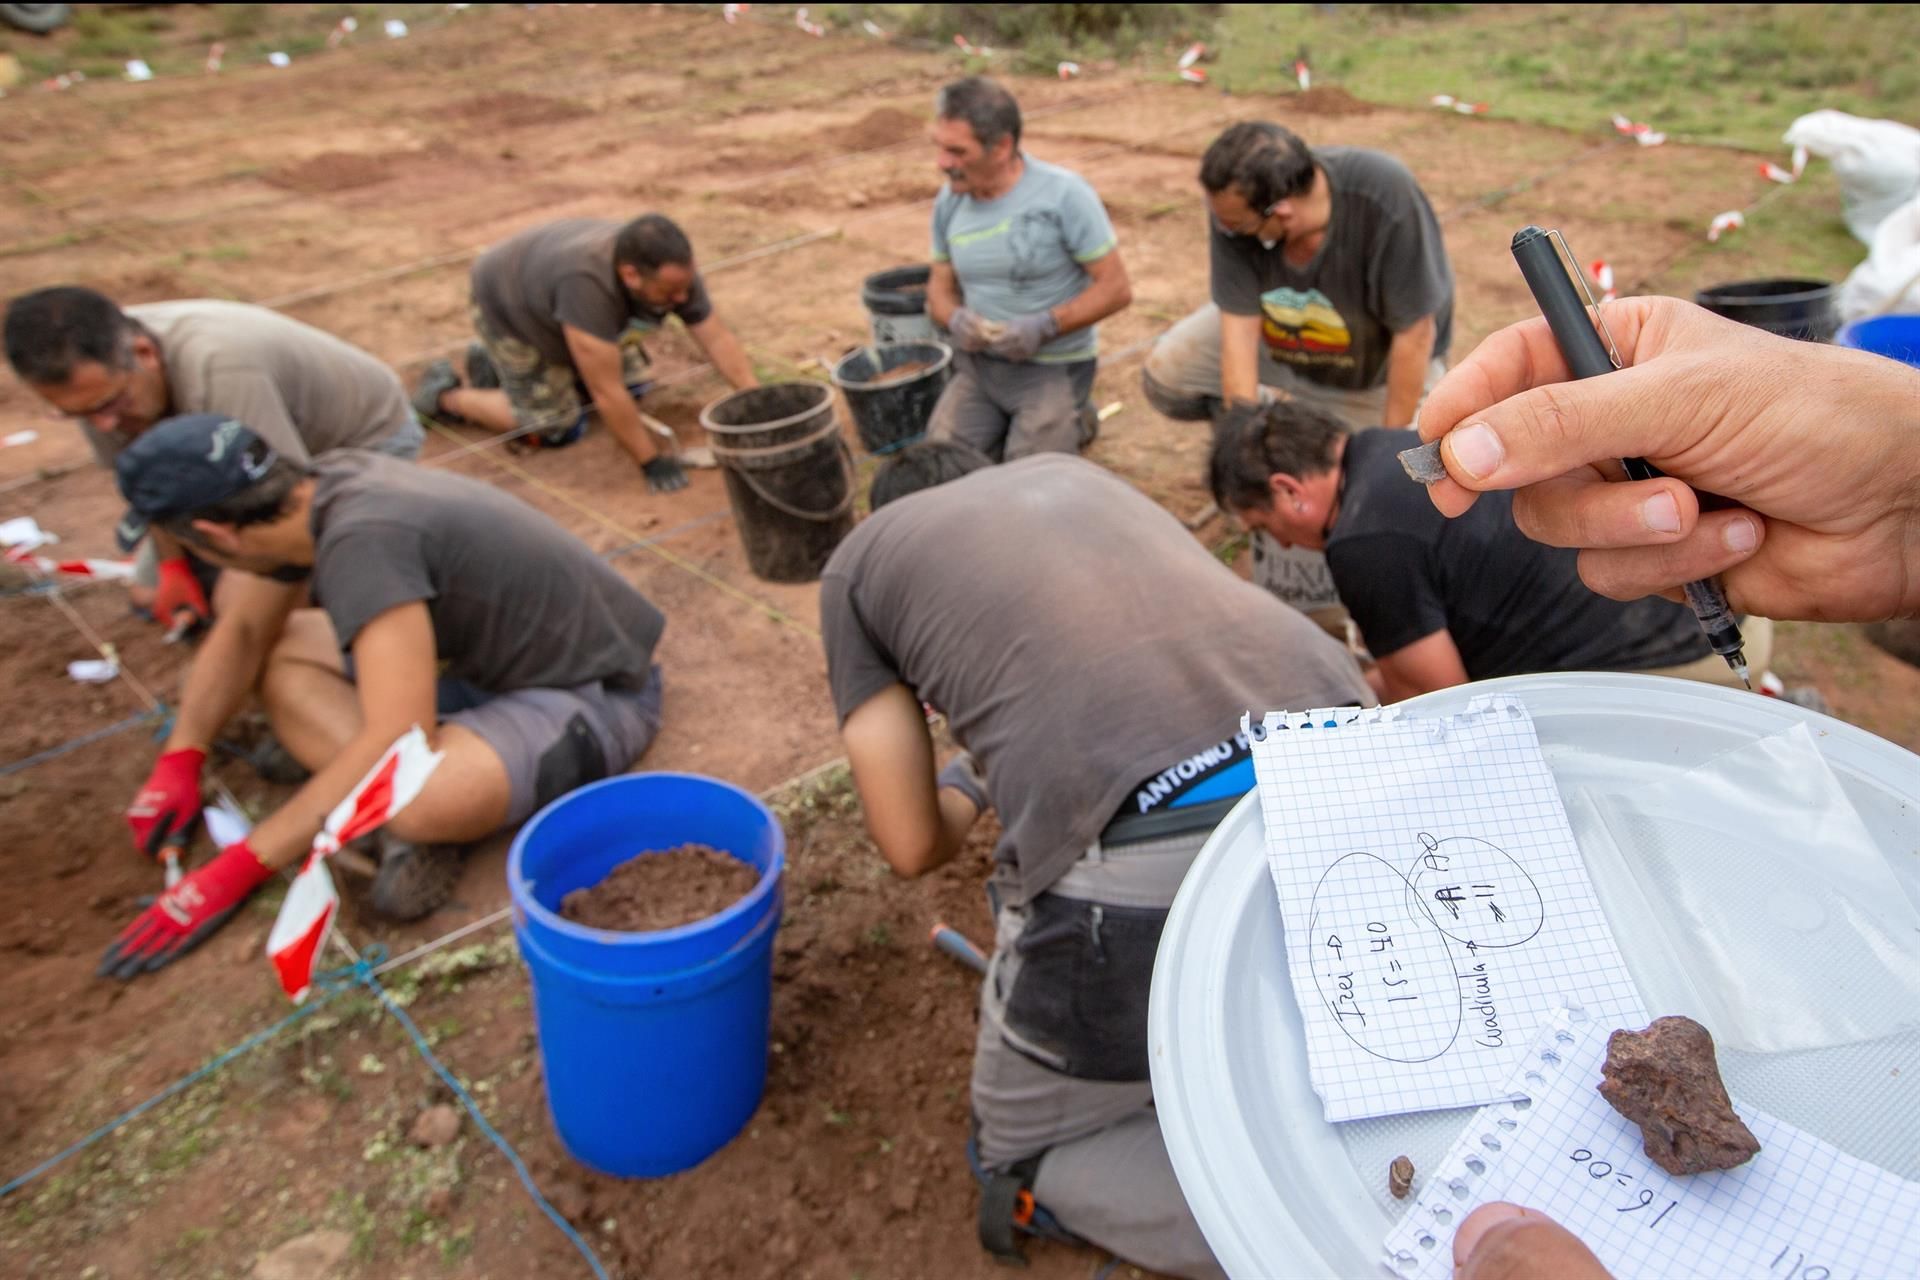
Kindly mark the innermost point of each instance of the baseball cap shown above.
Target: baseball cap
(183, 465)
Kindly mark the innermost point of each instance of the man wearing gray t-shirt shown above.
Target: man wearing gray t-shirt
(442, 602)
(1096, 676)
(1024, 265)
(118, 372)
(1330, 285)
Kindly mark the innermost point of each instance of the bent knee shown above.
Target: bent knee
(1180, 406)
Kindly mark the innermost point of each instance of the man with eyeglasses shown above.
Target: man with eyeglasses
(119, 371)
(1330, 286)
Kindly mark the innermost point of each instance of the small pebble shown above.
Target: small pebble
(1400, 1172)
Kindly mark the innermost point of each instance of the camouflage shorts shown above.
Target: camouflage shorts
(548, 397)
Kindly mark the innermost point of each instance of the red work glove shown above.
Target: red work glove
(178, 590)
(169, 801)
(186, 915)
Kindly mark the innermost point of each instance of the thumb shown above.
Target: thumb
(1655, 411)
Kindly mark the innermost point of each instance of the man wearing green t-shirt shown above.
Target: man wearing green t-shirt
(1024, 265)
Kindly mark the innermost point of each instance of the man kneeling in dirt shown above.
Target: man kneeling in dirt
(1024, 265)
(561, 310)
(1441, 602)
(119, 372)
(1096, 677)
(442, 602)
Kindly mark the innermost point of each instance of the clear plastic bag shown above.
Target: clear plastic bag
(1781, 925)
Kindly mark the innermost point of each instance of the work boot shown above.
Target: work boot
(481, 375)
(434, 383)
(413, 879)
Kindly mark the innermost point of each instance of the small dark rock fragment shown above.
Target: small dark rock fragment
(1665, 1080)
(1400, 1177)
(1423, 463)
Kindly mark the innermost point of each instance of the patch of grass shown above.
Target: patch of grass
(455, 1248)
(880, 937)
(112, 34)
(1730, 74)
(238, 21)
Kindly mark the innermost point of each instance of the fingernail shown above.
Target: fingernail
(1478, 1223)
(1477, 450)
(1741, 535)
(1661, 513)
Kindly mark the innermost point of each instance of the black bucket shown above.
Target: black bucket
(1801, 309)
(789, 475)
(896, 302)
(893, 412)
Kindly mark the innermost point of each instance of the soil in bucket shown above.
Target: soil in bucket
(789, 476)
(662, 890)
(891, 390)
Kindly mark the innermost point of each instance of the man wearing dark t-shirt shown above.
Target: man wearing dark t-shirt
(443, 603)
(1330, 285)
(1441, 602)
(560, 310)
(1095, 677)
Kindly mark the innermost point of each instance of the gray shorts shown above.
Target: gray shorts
(553, 741)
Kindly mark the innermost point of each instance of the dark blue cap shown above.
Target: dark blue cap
(184, 465)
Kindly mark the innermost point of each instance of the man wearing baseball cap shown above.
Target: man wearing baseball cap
(441, 602)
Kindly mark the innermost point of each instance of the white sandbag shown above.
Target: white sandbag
(1889, 280)
(1877, 162)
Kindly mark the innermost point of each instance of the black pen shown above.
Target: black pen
(1588, 357)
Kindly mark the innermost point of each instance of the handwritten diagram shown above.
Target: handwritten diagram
(1396, 953)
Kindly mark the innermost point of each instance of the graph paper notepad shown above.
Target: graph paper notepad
(1800, 1210)
(1437, 910)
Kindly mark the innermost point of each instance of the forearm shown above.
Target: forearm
(942, 299)
(621, 415)
(1103, 296)
(1240, 364)
(1407, 361)
(728, 355)
(223, 673)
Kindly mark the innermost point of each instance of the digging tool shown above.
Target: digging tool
(700, 457)
(945, 938)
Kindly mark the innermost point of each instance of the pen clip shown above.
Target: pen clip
(1593, 304)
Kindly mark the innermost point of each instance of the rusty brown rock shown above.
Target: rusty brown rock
(1665, 1079)
(435, 1127)
(1400, 1177)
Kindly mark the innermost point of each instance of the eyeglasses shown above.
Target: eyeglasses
(1224, 229)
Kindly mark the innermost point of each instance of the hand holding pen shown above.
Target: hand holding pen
(1819, 446)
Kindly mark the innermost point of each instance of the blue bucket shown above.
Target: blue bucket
(1895, 336)
(654, 1045)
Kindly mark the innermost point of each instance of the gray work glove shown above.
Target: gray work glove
(963, 775)
(970, 332)
(664, 474)
(1025, 335)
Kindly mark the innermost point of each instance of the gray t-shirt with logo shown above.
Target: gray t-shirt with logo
(1027, 250)
(1382, 267)
(1078, 639)
(562, 274)
(517, 602)
(303, 391)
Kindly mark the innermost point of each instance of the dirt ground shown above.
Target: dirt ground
(351, 190)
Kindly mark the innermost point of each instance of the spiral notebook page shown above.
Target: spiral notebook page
(1437, 910)
(1800, 1210)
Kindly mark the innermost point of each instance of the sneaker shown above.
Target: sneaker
(434, 383)
(414, 879)
(481, 375)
